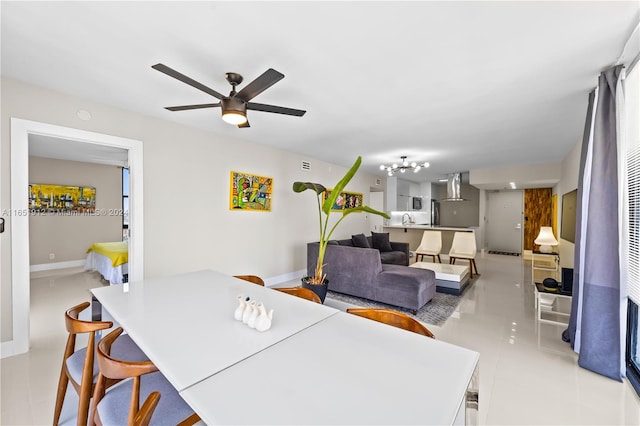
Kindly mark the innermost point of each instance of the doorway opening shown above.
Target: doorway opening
(21, 130)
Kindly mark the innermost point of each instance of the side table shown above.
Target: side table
(544, 265)
(553, 307)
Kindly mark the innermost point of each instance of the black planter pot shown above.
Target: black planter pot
(319, 289)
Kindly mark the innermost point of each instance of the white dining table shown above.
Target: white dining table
(315, 365)
(342, 370)
(185, 323)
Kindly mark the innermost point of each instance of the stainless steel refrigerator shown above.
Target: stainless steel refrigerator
(435, 212)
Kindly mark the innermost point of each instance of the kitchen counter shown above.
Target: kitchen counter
(412, 234)
(430, 227)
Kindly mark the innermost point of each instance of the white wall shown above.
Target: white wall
(187, 222)
(568, 182)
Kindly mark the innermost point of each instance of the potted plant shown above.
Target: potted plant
(318, 282)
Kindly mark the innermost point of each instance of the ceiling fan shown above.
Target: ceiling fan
(234, 107)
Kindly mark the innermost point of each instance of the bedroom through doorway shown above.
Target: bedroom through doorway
(97, 147)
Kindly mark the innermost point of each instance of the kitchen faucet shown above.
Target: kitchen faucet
(408, 217)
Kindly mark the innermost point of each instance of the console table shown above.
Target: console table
(553, 307)
(548, 263)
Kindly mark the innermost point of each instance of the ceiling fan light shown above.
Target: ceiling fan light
(414, 164)
(416, 169)
(402, 170)
(390, 173)
(234, 117)
(425, 165)
(394, 166)
(234, 111)
(382, 167)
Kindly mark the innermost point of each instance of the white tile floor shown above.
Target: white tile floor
(527, 375)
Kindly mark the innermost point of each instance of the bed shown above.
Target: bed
(110, 259)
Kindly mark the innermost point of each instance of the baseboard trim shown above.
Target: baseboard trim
(291, 276)
(56, 265)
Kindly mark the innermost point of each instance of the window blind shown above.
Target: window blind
(632, 105)
(633, 179)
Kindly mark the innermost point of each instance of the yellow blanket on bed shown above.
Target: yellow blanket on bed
(118, 252)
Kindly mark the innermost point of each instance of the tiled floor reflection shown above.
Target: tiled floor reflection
(527, 374)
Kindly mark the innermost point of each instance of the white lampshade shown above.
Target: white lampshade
(546, 239)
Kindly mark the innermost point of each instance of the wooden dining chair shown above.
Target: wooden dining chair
(251, 278)
(394, 318)
(78, 367)
(302, 292)
(119, 405)
(143, 418)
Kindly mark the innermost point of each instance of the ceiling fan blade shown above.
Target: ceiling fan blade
(187, 107)
(259, 85)
(272, 108)
(183, 78)
(245, 124)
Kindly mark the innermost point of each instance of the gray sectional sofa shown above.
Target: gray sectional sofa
(360, 272)
(398, 255)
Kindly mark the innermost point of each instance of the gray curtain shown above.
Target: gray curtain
(569, 335)
(595, 326)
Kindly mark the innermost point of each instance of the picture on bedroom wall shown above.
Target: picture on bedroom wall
(45, 197)
(346, 200)
(250, 192)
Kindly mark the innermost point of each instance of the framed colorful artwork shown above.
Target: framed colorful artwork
(346, 200)
(62, 198)
(250, 192)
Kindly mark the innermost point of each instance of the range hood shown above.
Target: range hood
(453, 188)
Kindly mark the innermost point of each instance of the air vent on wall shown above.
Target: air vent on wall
(306, 165)
(378, 181)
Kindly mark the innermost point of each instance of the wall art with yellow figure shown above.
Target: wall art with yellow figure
(346, 200)
(250, 192)
(61, 198)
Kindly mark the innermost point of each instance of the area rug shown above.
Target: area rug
(435, 312)
(506, 253)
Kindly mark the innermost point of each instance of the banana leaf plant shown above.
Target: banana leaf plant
(324, 212)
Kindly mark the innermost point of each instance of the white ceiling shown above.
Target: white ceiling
(462, 85)
(64, 149)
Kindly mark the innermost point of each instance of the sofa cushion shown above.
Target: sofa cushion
(360, 240)
(381, 241)
(393, 257)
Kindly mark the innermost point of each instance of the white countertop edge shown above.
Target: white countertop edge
(435, 228)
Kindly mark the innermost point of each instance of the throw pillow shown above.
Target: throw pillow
(360, 240)
(381, 241)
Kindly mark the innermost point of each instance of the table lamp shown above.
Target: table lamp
(546, 239)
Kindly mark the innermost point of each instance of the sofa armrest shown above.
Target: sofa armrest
(350, 270)
(403, 247)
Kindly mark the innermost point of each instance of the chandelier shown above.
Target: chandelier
(403, 166)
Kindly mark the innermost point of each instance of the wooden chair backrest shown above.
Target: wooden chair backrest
(111, 368)
(394, 318)
(302, 292)
(84, 388)
(251, 278)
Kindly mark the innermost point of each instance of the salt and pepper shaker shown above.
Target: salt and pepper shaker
(253, 313)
